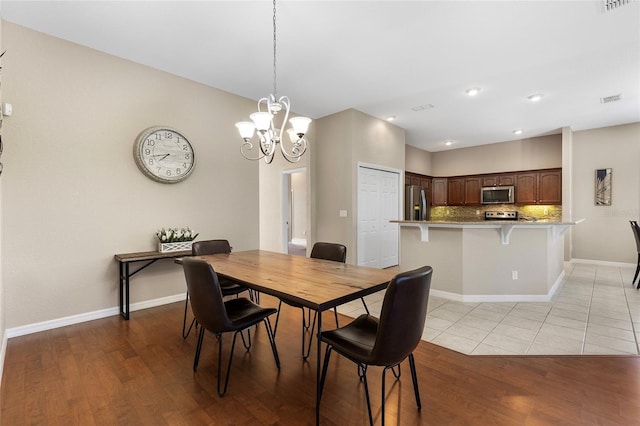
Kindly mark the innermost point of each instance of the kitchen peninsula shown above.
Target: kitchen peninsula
(487, 260)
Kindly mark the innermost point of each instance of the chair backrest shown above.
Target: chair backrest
(205, 295)
(329, 251)
(200, 248)
(404, 310)
(636, 233)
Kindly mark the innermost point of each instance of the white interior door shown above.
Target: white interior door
(378, 203)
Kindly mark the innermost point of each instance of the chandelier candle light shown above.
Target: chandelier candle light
(270, 136)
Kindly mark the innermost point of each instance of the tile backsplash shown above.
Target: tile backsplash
(461, 213)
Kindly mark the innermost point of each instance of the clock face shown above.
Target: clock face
(164, 154)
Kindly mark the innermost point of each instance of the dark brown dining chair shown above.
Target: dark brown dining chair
(219, 316)
(326, 251)
(389, 340)
(636, 234)
(228, 286)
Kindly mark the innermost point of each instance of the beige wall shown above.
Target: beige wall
(344, 140)
(606, 235)
(72, 195)
(417, 160)
(525, 154)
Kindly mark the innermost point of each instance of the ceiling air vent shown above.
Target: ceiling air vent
(422, 107)
(609, 5)
(612, 98)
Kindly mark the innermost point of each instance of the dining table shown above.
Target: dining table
(316, 284)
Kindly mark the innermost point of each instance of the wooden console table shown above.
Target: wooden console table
(125, 259)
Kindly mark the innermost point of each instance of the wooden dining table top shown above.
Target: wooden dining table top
(315, 283)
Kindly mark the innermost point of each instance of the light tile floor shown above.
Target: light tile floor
(595, 311)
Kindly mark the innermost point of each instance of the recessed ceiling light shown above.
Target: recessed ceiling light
(391, 118)
(448, 143)
(535, 97)
(473, 91)
(517, 132)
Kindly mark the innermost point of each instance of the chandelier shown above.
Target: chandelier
(269, 136)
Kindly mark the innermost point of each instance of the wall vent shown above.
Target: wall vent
(612, 98)
(609, 5)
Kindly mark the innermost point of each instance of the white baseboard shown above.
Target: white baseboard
(3, 351)
(88, 316)
(603, 263)
(501, 297)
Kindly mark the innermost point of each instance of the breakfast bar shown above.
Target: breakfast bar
(488, 260)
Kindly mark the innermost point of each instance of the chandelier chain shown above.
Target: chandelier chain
(275, 91)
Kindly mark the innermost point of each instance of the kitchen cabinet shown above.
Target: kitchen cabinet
(550, 187)
(541, 187)
(464, 191)
(526, 188)
(439, 192)
(503, 179)
(455, 191)
(472, 187)
(417, 179)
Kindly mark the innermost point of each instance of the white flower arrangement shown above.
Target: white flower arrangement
(175, 235)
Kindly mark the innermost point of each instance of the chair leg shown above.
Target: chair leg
(275, 327)
(365, 305)
(335, 313)
(636, 275)
(414, 378)
(198, 348)
(185, 331)
(393, 370)
(226, 380)
(272, 341)
(246, 346)
(366, 392)
(327, 354)
(384, 375)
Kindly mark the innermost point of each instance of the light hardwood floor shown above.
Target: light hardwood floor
(139, 372)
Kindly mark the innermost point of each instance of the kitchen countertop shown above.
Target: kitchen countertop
(505, 226)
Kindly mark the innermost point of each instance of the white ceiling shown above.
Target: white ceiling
(384, 57)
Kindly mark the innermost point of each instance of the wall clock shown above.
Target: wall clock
(164, 154)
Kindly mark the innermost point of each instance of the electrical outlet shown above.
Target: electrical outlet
(514, 275)
(545, 211)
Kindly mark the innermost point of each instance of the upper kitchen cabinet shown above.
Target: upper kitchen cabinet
(417, 179)
(503, 179)
(439, 192)
(550, 187)
(455, 191)
(464, 191)
(541, 187)
(472, 187)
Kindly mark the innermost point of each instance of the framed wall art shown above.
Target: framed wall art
(603, 187)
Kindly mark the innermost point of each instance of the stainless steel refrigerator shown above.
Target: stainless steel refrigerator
(416, 203)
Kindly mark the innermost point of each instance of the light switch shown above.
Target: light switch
(7, 109)
(343, 213)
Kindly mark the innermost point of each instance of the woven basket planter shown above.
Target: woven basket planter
(169, 247)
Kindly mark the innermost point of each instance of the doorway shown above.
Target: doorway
(294, 209)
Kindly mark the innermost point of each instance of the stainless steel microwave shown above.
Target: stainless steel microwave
(497, 195)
